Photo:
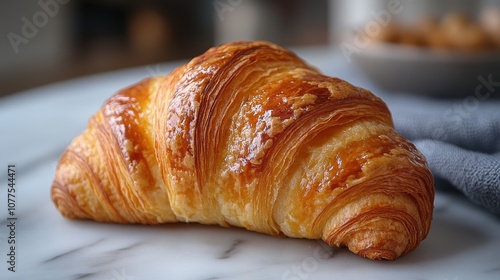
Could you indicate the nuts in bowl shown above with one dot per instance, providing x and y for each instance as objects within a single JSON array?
[
  {"x": 454, "y": 31},
  {"x": 445, "y": 57}
]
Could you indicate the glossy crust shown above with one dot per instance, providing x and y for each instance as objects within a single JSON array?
[{"x": 249, "y": 135}]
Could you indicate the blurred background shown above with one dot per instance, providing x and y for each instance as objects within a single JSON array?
[{"x": 45, "y": 41}]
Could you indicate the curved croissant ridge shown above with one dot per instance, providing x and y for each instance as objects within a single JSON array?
[{"x": 249, "y": 135}]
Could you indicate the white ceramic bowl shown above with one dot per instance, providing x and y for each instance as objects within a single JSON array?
[{"x": 423, "y": 71}]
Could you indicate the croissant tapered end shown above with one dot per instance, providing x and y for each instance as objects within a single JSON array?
[
  {"x": 249, "y": 135},
  {"x": 75, "y": 189},
  {"x": 62, "y": 198},
  {"x": 376, "y": 245},
  {"x": 383, "y": 239},
  {"x": 109, "y": 173},
  {"x": 65, "y": 186}
]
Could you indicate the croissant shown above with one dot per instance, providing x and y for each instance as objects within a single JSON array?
[{"x": 249, "y": 135}]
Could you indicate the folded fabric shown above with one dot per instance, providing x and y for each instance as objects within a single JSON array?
[
  {"x": 476, "y": 174},
  {"x": 460, "y": 139}
]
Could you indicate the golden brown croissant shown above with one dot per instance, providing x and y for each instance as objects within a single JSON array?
[{"x": 249, "y": 135}]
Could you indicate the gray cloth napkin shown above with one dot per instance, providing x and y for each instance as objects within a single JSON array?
[{"x": 460, "y": 139}]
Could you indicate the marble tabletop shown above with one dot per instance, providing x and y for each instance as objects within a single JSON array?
[{"x": 36, "y": 126}]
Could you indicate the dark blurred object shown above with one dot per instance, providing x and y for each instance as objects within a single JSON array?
[
  {"x": 82, "y": 37},
  {"x": 149, "y": 33},
  {"x": 143, "y": 32}
]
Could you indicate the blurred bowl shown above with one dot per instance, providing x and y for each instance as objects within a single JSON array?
[{"x": 442, "y": 73}]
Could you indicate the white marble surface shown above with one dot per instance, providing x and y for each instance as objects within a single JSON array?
[{"x": 36, "y": 125}]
